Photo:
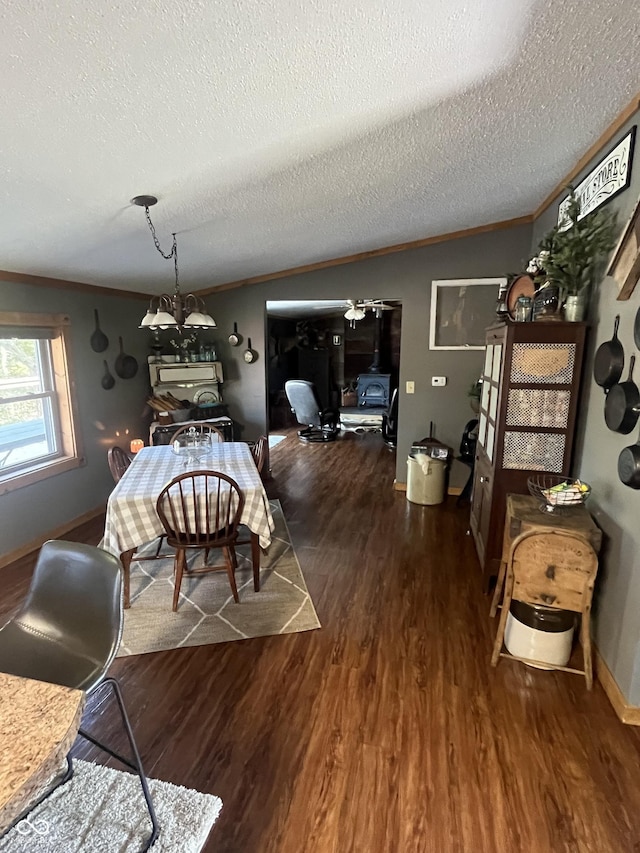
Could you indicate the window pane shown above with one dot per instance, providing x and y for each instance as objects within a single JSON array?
[
  {"x": 20, "y": 371},
  {"x": 38, "y": 437},
  {"x": 27, "y": 427},
  {"x": 25, "y": 432}
]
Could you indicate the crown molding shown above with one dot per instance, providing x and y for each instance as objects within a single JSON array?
[
  {"x": 616, "y": 125},
  {"x": 365, "y": 256}
]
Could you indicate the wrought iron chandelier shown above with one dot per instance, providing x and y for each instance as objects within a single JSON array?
[{"x": 172, "y": 311}]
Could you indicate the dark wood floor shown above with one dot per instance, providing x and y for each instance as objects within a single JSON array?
[{"x": 386, "y": 731}]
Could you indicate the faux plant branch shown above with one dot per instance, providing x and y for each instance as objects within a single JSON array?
[{"x": 571, "y": 255}]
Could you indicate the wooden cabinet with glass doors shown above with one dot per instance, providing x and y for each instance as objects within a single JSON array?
[{"x": 530, "y": 388}]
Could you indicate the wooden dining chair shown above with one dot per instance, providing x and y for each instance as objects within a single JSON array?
[
  {"x": 215, "y": 434},
  {"x": 119, "y": 460},
  {"x": 201, "y": 510},
  {"x": 554, "y": 569},
  {"x": 259, "y": 452}
]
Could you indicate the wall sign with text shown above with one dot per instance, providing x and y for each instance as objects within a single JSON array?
[{"x": 610, "y": 177}]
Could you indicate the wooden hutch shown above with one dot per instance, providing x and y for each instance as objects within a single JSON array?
[{"x": 530, "y": 388}]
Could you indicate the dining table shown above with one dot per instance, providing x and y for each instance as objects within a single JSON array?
[{"x": 131, "y": 517}]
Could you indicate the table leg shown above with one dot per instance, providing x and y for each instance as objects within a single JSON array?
[
  {"x": 255, "y": 560},
  {"x": 125, "y": 559}
]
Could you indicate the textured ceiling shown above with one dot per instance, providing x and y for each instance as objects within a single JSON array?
[{"x": 278, "y": 133}]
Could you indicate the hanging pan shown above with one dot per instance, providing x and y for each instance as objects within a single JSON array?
[
  {"x": 636, "y": 329},
  {"x": 107, "y": 380},
  {"x": 609, "y": 360},
  {"x": 629, "y": 465},
  {"x": 622, "y": 404},
  {"x": 98, "y": 340},
  {"x": 125, "y": 365}
]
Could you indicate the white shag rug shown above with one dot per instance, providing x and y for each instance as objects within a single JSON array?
[{"x": 101, "y": 810}]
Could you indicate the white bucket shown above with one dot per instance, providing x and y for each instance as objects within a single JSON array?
[
  {"x": 425, "y": 480},
  {"x": 552, "y": 647}
]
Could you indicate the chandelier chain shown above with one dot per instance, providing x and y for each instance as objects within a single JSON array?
[
  {"x": 173, "y": 251},
  {"x": 175, "y": 312},
  {"x": 166, "y": 255}
]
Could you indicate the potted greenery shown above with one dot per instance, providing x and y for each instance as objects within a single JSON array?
[
  {"x": 474, "y": 393},
  {"x": 571, "y": 253}
]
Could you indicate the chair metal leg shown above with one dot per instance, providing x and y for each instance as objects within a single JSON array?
[{"x": 135, "y": 765}]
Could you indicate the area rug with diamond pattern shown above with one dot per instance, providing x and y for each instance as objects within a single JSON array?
[{"x": 206, "y": 611}]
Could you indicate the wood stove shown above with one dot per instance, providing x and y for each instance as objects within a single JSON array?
[{"x": 373, "y": 390}]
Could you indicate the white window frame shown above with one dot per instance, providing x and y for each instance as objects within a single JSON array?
[{"x": 68, "y": 453}]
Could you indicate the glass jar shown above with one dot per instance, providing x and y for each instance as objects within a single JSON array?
[
  {"x": 546, "y": 302},
  {"x": 522, "y": 312}
]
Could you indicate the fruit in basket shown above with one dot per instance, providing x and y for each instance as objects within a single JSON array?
[{"x": 566, "y": 493}]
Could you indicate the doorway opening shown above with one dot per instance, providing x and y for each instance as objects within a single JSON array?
[{"x": 341, "y": 355}]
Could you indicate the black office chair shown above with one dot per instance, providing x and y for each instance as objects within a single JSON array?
[
  {"x": 468, "y": 457},
  {"x": 319, "y": 424},
  {"x": 68, "y": 631},
  {"x": 390, "y": 421}
]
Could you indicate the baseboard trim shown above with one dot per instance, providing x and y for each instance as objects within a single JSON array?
[
  {"x": 629, "y": 714},
  {"x": 56, "y": 533}
]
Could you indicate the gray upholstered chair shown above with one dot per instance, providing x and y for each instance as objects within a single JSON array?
[
  {"x": 319, "y": 424},
  {"x": 67, "y": 632}
]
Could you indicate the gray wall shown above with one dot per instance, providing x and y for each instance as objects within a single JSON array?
[
  {"x": 405, "y": 276},
  {"x": 35, "y": 510},
  {"x": 615, "y": 506}
]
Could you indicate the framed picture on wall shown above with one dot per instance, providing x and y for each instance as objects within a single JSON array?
[{"x": 461, "y": 310}]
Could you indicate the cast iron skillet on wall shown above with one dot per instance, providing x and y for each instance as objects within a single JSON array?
[
  {"x": 609, "y": 360},
  {"x": 107, "y": 380},
  {"x": 636, "y": 329},
  {"x": 126, "y": 366},
  {"x": 622, "y": 404},
  {"x": 98, "y": 340},
  {"x": 629, "y": 465}
]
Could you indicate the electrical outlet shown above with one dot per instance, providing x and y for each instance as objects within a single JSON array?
[
  {"x": 411, "y": 387},
  {"x": 439, "y": 381}
]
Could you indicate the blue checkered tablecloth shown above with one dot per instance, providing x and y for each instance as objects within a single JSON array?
[{"x": 131, "y": 510}]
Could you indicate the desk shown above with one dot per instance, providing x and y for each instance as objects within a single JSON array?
[
  {"x": 523, "y": 515},
  {"x": 132, "y": 519},
  {"x": 38, "y": 725}
]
